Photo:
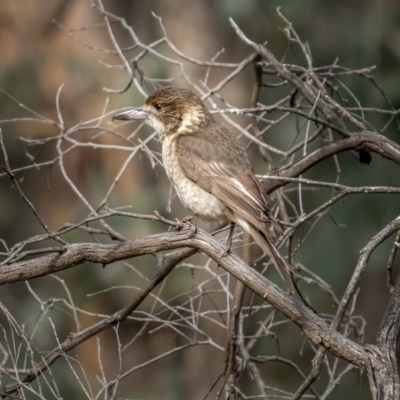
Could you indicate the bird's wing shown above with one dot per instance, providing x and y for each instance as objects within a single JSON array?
[{"x": 224, "y": 170}]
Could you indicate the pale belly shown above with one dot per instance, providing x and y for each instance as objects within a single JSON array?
[{"x": 192, "y": 196}]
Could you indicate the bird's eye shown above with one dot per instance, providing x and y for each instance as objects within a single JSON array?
[{"x": 158, "y": 106}]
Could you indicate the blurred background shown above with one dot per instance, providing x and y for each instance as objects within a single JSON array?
[{"x": 37, "y": 57}]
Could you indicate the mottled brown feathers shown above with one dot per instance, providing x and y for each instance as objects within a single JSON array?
[
  {"x": 177, "y": 108},
  {"x": 219, "y": 164}
]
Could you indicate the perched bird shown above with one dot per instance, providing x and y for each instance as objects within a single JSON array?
[{"x": 209, "y": 168}]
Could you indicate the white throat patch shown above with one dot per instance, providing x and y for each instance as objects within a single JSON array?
[
  {"x": 156, "y": 124},
  {"x": 191, "y": 119}
]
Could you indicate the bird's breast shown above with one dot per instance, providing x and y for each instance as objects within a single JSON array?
[{"x": 191, "y": 195}]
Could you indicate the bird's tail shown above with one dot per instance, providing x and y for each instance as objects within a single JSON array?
[{"x": 280, "y": 263}]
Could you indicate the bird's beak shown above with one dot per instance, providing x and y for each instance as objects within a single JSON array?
[{"x": 132, "y": 113}]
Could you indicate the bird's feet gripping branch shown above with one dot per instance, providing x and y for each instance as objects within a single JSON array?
[
  {"x": 208, "y": 167},
  {"x": 187, "y": 221}
]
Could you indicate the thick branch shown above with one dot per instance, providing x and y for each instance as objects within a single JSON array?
[
  {"x": 383, "y": 372},
  {"x": 317, "y": 330}
]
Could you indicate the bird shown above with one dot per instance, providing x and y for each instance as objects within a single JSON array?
[{"x": 209, "y": 168}]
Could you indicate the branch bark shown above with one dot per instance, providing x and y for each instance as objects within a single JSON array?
[
  {"x": 316, "y": 329},
  {"x": 383, "y": 372}
]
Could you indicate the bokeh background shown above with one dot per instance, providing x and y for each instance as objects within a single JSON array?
[{"x": 37, "y": 57}]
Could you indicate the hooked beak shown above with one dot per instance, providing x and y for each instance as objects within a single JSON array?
[{"x": 132, "y": 113}]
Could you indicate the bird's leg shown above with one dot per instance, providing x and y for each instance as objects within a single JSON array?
[{"x": 228, "y": 242}]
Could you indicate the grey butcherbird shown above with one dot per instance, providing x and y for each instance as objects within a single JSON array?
[{"x": 209, "y": 168}]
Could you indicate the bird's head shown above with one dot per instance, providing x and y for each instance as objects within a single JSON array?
[{"x": 169, "y": 110}]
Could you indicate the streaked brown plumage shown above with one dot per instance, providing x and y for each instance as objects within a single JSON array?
[{"x": 208, "y": 167}]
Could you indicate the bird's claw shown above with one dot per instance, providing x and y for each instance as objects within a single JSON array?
[
  {"x": 187, "y": 221},
  {"x": 193, "y": 228},
  {"x": 193, "y": 231},
  {"x": 228, "y": 245},
  {"x": 226, "y": 253}
]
